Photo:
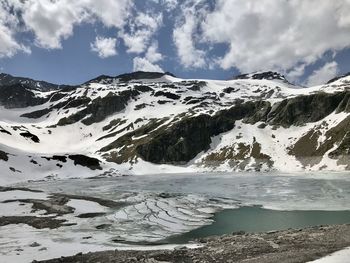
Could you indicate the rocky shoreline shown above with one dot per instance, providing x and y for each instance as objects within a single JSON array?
[{"x": 290, "y": 246}]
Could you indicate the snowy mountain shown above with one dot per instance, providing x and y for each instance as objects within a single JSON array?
[{"x": 146, "y": 122}]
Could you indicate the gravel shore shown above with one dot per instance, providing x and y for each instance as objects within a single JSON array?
[{"x": 290, "y": 246}]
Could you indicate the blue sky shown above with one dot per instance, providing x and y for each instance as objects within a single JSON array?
[{"x": 71, "y": 42}]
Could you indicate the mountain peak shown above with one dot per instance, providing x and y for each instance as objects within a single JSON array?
[
  {"x": 7, "y": 80},
  {"x": 268, "y": 75},
  {"x": 137, "y": 75},
  {"x": 142, "y": 75},
  {"x": 338, "y": 78}
]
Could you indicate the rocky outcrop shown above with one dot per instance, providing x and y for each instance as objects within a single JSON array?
[
  {"x": 182, "y": 140},
  {"x": 305, "y": 109},
  {"x": 100, "y": 108},
  {"x": 268, "y": 75},
  {"x": 4, "y": 156},
  {"x": 174, "y": 121},
  {"x": 86, "y": 161},
  {"x": 19, "y": 96},
  {"x": 129, "y": 76},
  {"x": 293, "y": 246},
  {"x": 9, "y": 80}
]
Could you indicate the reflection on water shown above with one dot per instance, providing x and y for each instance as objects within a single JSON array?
[
  {"x": 179, "y": 207},
  {"x": 257, "y": 219}
]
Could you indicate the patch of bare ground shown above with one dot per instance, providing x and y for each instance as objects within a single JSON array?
[{"x": 288, "y": 246}]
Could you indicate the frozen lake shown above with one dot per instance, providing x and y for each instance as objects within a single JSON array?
[
  {"x": 166, "y": 210},
  {"x": 163, "y": 206}
]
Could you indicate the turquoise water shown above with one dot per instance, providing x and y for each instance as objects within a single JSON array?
[
  {"x": 246, "y": 202},
  {"x": 257, "y": 219}
]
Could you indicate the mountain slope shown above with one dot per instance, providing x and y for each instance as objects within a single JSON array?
[{"x": 153, "y": 122}]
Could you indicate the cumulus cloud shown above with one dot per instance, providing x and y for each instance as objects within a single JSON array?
[
  {"x": 170, "y": 4},
  {"x": 153, "y": 54},
  {"x": 248, "y": 35},
  {"x": 277, "y": 35},
  {"x": 323, "y": 74},
  {"x": 148, "y": 63},
  {"x": 184, "y": 37},
  {"x": 141, "y": 30},
  {"x": 8, "y": 27},
  {"x": 53, "y": 21},
  {"x": 142, "y": 64},
  {"x": 9, "y": 46},
  {"x": 104, "y": 47}
]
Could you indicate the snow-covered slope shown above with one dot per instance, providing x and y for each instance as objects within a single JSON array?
[{"x": 153, "y": 123}]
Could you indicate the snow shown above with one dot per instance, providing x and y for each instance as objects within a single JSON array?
[
  {"x": 83, "y": 207},
  {"x": 341, "y": 256},
  {"x": 78, "y": 138},
  {"x": 168, "y": 204}
]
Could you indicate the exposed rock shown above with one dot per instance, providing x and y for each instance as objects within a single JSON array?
[
  {"x": 305, "y": 109},
  {"x": 168, "y": 95},
  {"x": 142, "y": 75},
  {"x": 100, "y": 108},
  {"x": 8, "y": 80},
  {"x": 31, "y": 136},
  {"x": 292, "y": 246},
  {"x": 4, "y": 156},
  {"x": 86, "y": 161},
  {"x": 18, "y": 96},
  {"x": 36, "y": 222},
  {"x": 337, "y": 78},
  {"x": 269, "y": 75},
  {"x": 185, "y": 139}
]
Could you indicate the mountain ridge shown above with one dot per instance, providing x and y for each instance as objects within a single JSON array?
[{"x": 154, "y": 122}]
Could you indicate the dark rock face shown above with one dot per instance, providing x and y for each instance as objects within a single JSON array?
[
  {"x": 308, "y": 152},
  {"x": 180, "y": 144},
  {"x": 59, "y": 158},
  {"x": 142, "y": 75},
  {"x": 311, "y": 108},
  {"x": 67, "y": 104},
  {"x": 8, "y": 80},
  {"x": 18, "y": 96},
  {"x": 185, "y": 139},
  {"x": 101, "y": 79},
  {"x": 86, "y": 161},
  {"x": 101, "y": 108},
  {"x": 168, "y": 95},
  {"x": 128, "y": 77},
  {"x": 31, "y": 136},
  {"x": 143, "y": 88},
  {"x": 4, "y": 156},
  {"x": 36, "y": 114},
  {"x": 337, "y": 78},
  {"x": 269, "y": 75}
]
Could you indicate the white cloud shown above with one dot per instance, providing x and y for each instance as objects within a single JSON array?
[
  {"x": 295, "y": 73},
  {"x": 260, "y": 35},
  {"x": 170, "y": 4},
  {"x": 53, "y": 21},
  {"x": 9, "y": 46},
  {"x": 8, "y": 27},
  {"x": 323, "y": 74},
  {"x": 142, "y": 64},
  {"x": 142, "y": 29},
  {"x": 152, "y": 53},
  {"x": 277, "y": 35},
  {"x": 104, "y": 47},
  {"x": 184, "y": 38},
  {"x": 148, "y": 63}
]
